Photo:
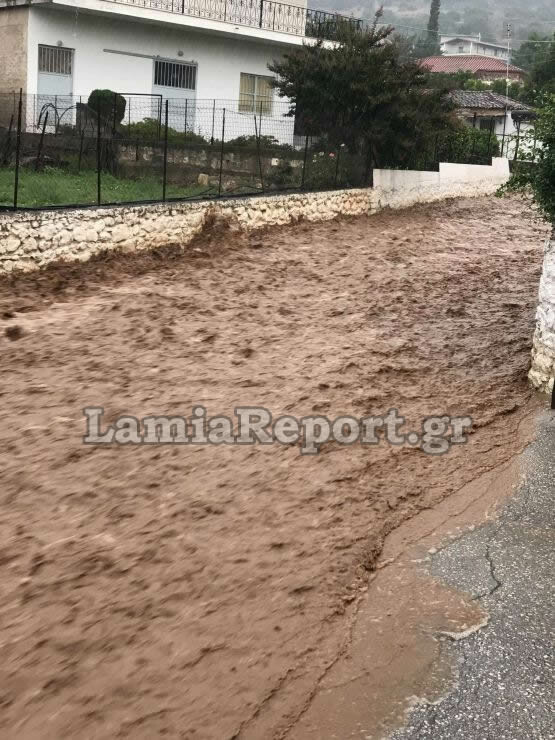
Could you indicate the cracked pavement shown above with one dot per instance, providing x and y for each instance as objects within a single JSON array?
[{"x": 505, "y": 669}]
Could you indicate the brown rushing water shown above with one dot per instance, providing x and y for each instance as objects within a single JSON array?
[{"x": 185, "y": 590}]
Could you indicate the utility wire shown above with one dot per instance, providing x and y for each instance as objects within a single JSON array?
[{"x": 466, "y": 35}]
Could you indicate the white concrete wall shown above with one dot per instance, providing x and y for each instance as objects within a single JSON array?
[
  {"x": 542, "y": 372},
  {"x": 29, "y": 240},
  {"x": 401, "y": 188}
]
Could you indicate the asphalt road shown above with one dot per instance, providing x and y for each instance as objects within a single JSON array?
[{"x": 505, "y": 689}]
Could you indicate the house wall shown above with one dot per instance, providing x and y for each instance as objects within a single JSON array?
[
  {"x": 29, "y": 240},
  {"x": 220, "y": 60},
  {"x": 492, "y": 76},
  {"x": 13, "y": 48},
  {"x": 542, "y": 372},
  {"x": 473, "y": 47}
]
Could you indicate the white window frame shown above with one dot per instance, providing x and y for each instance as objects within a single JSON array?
[{"x": 250, "y": 102}]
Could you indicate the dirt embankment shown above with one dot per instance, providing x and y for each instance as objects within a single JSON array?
[{"x": 196, "y": 591}]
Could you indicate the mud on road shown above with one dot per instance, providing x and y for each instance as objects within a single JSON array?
[{"x": 199, "y": 592}]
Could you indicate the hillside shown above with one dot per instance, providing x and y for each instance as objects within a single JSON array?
[{"x": 488, "y": 17}]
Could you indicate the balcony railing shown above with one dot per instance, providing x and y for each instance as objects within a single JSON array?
[{"x": 266, "y": 14}]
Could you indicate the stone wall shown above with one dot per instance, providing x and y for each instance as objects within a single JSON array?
[
  {"x": 31, "y": 239},
  {"x": 542, "y": 372}
]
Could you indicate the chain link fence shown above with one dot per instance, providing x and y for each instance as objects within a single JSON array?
[{"x": 127, "y": 148}]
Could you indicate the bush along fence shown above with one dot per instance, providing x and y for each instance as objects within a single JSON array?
[{"x": 120, "y": 148}]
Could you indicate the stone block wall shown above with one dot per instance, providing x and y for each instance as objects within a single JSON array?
[
  {"x": 31, "y": 239},
  {"x": 542, "y": 372}
]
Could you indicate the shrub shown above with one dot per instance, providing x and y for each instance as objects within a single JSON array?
[
  {"x": 151, "y": 131},
  {"x": 538, "y": 173},
  {"x": 467, "y": 145},
  {"x": 110, "y": 105},
  {"x": 266, "y": 143}
]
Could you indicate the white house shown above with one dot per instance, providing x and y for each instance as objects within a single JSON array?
[
  {"x": 472, "y": 45},
  {"x": 204, "y": 55},
  {"x": 506, "y": 119}
]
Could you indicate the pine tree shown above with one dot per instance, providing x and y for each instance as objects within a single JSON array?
[
  {"x": 363, "y": 94},
  {"x": 428, "y": 46},
  {"x": 433, "y": 24}
]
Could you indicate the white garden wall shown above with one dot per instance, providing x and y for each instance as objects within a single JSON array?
[
  {"x": 29, "y": 240},
  {"x": 542, "y": 372}
]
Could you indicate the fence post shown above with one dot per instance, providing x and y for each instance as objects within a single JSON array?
[
  {"x": 221, "y": 154},
  {"x": 41, "y": 141},
  {"x": 369, "y": 174},
  {"x": 256, "y": 131},
  {"x": 186, "y": 113},
  {"x": 304, "y": 161},
  {"x": 338, "y": 154},
  {"x": 81, "y": 150},
  {"x": 261, "y": 12},
  {"x": 5, "y": 155},
  {"x": 473, "y": 149},
  {"x": 213, "y": 118},
  {"x": 504, "y": 129},
  {"x": 165, "y": 171},
  {"x": 491, "y": 125},
  {"x": 517, "y": 140},
  {"x": 17, "y": 150},
  {"x": 98, "y": 158},
  {"x": 114, "y": 112},
  {"x": 159, "y": 116}
]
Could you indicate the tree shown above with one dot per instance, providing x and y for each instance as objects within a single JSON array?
[
  {"x": 429, "y": 45},
  {"x": 542, "y": 76},
  {"x": 517, "y": 91},
  {"x": 406, "y": 46},
  {"x": 530, "y": 51},
  {"x": 460, "y": 80},
  {"x": 539, "y": 175},
  {"x": 362, "y": 94},
  {"x": 433, "y": 25}
]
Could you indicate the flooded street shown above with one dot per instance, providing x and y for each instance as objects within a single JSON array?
[{"x": 201, "y": 591}]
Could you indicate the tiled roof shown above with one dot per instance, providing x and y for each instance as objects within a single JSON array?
[
  {"x": 484, "y": 99},
  {"x": 467, "y": 63}
]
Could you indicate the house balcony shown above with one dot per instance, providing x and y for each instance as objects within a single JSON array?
[{"x": 266, "y": 15}]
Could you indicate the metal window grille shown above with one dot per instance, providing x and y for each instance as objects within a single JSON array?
[
  {"x": 55, "y": 60},
  {"x": 175, "y": 74},
  {"x": 255, "y": 94}
]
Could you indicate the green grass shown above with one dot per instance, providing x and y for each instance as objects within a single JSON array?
[{"x": 55, "y": 187}]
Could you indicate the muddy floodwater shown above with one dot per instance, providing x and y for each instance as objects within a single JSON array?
[{"x": 200, "y": 591}]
